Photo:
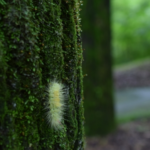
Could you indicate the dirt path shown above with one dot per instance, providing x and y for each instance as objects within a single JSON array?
[
  {"x": 136, "y": 76},
  {"x": 130, "y": 136},
  {"x": 132, "y": 90},
  {"x": 132, "y": 102}
]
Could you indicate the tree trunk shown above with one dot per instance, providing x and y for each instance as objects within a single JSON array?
[
  {"x": 40, "y": 43},
  {"x": 99, "y": 104}
]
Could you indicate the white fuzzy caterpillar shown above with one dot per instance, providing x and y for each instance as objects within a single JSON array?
[{"x": 55, "y": 104}]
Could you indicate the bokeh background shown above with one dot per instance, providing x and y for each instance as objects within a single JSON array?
[{"x": 116, "y": 43}]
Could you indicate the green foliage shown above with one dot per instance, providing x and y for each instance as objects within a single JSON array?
[
  {"x": 130, "y": 26},
  {"x": 39, "y": 42},
  {"x": 2, "y": 2}
]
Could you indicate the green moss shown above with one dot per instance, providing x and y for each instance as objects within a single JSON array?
[{"x": 42, "y": 44}]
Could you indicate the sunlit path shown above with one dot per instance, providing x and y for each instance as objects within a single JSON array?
[{"x": 132, "y": 102}]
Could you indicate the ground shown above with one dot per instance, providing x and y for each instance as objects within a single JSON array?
[
  {"x": 132, "y": 75},
  {"x": 133, "y": 135}
]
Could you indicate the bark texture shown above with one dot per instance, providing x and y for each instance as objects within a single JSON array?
[{"x": 39, "y": 42}]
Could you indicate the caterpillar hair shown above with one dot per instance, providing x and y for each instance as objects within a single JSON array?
[{"x": 55, "y": 104}]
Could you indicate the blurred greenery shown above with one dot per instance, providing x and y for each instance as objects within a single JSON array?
[{"x": 130, "y": 30}]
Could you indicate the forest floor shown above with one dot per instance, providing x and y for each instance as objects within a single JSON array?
[
  {"x": 135, "y": 134},
  {"x": 132, "y": 75}
]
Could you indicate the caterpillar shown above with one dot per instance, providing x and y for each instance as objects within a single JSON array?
[{"x": 55, "y": 104}]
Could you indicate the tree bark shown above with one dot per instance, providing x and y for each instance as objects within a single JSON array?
[
  {"x": 40, "y": 44},
  {"x": 99, "y": 104}
]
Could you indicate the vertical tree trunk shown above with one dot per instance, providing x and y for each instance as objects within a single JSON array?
[
  {"x": 99, "y": 106},
  {"x": 40, "y": 43}
]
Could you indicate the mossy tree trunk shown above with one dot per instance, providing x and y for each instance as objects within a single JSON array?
[
  {"x": 99, "y": 104},
  {"x": 39, "y": 42}
]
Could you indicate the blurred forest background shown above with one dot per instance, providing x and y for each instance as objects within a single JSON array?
[
  {"x": 116, "y": 65},
  {"x": 130, "y": 27}
]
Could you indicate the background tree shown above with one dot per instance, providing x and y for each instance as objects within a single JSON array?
[
  {"x": 40, "y": 42},
  {"x": 99, "y": 105}
]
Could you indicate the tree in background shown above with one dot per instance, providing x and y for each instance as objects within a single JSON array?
[
  {"x": 99, "y": 104},
  {"x": 39, "y": 42}
]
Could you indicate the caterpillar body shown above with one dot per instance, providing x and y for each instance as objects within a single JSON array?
[{"x": 55, "y": 104}]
